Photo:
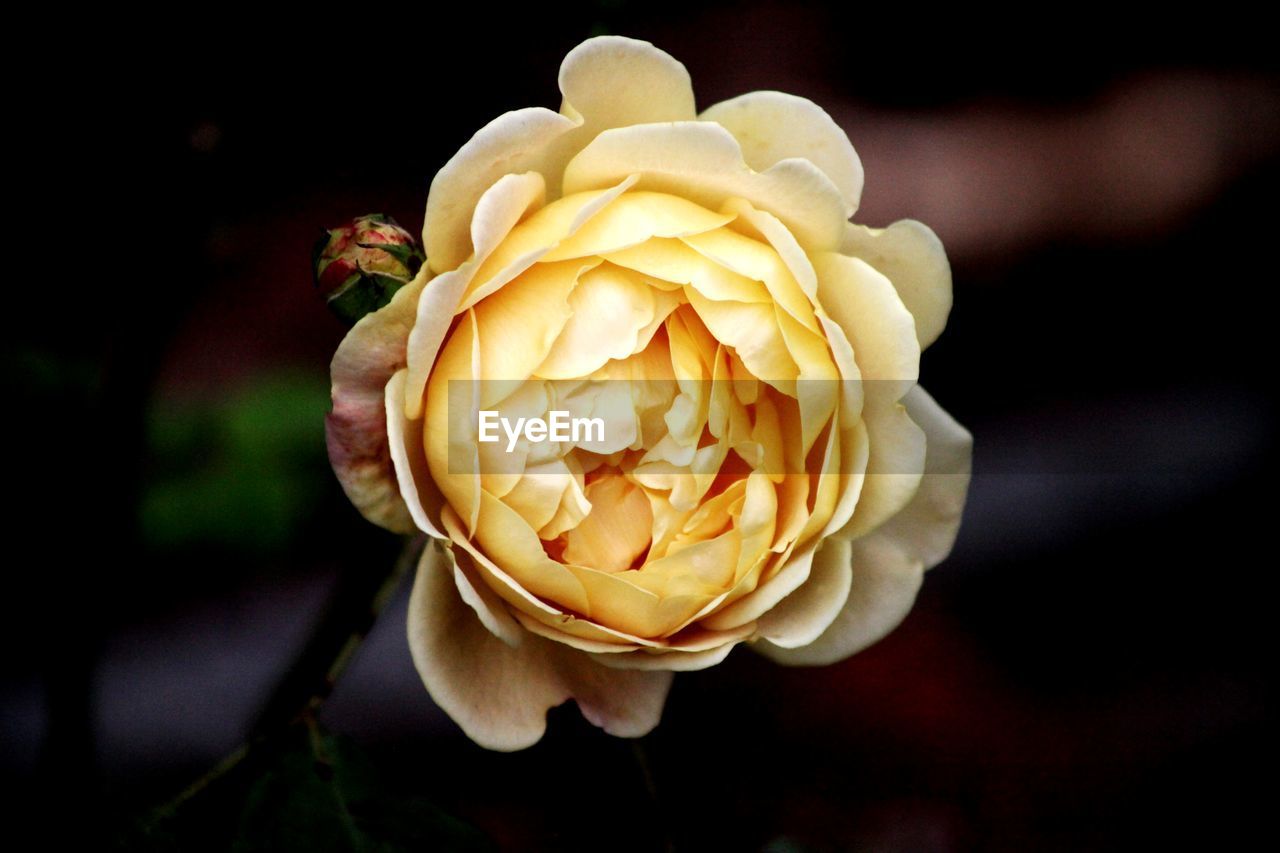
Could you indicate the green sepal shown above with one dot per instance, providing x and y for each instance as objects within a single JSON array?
[
  {"x": 317, "y": 253},
  {"x": 363, "y": 294}
]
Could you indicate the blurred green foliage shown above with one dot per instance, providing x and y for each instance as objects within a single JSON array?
[{"x": 245, "y": 471}]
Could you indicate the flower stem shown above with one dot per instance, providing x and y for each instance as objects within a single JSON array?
[
  {"x": 311, "y": 679},
  {"x": 646, "y": 773}
]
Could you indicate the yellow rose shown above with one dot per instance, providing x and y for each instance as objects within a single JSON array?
[{"x": 772, "y": 473}]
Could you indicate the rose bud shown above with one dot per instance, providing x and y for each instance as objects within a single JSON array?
[{"x": 360, "y": 265}]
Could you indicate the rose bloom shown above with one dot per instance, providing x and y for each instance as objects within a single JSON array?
[{"x": 773, "y": 474}]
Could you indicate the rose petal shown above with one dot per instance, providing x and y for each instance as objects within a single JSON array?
[
  {"x": 874, "y": 318},
  {"x": 356, "y": 429},
  {"x": 884, "y": 585},
  {"x": 612, "y": 81},
  {"x": 634, "y": 218},
  {"x": 610, "y": 308},
  {"x": 517, "y": 141},
  {"x": 803, "y": 615},
  {"x": 617, "y": 529},
  {"x": 772, "y": 126},
  {"x": 499, "y": 695},
  {"x": 489, "y": 608},
  {"x": 421, "y": 496},
  {"x": 703, "y": 163},
  {"x": 451, "y": 435},
  {"x": 531, "y": 240},
  {"x": 887, "y": 565},
  {"x": 926, "y": 527},
  {"x": 750, "y": 607},
  {"x": 912, "y": 257},
  {"x": 503, "y": 205},
  {"x": 519, "y": 325},
  {"x": 607, "y": 82},
  {"x": 772, "y": 231},
  {"x": 678, "y": 660},
  {"x": 881, "y": 330}
]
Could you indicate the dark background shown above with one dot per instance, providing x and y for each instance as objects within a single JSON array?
[{"x": 1085, "y": 672}]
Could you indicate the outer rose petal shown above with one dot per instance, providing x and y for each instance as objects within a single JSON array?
[
  {"x": 772, "y": 126},
  {"x": 702, "y": 162},
  {"x": 607, "y": 82},
  {"x": 500, "y": 695},
  {"x": 611, "y": 81},
  {"x": 885, "y": 582},
  {"x": 490, "y": 220},
  {"x": 803, "y": 615},
  {"x": 864, "y": 303},
  {"x": 356, "y": 429},
  {"x": 926, "y": 528},
  {"x": 419, "y": 492},
  {"x": 912, "y": 257},
  {"x": 888, "y": 565},
  {"x": 513, "y": 142}
]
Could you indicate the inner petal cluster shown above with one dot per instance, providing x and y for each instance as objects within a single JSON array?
[{"x": 686, "y": 333}]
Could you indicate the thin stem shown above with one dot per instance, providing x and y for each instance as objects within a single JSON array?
[
  {"x": 646, "y": 773},
  {"x": 408, "y": 558},
  {"x": 301, "y": 692}
]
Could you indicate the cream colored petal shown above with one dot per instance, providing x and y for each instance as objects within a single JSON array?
[
  {"x": 803, "y": 615},
  {"x": 500, "y": 695},
  {"x": 683, "y": 651},
  {"x": 356, "y": 429},
  {"x": 617, "y": 529},
  {"x": 752, "y": 330},
  {"x": 532, "y": 239},
  {"x": 421, "y": 495},
  {"x": 926, "y": 527},
  {"x": 613, "y": 81},
  {"x": 480, "y": 597},
  {"x": 854, "y": 455},
  {"x": 537, "y": 494},
  {"x": 519, "y": 325},
  {"x": 607, "y": 82},
  {"x": 702, "y": 162},
  {"x": 756, "y": 260},
  {"x": 878, "y": 325},
  {"x": 501, "y": 206},
  {"x": 450, "y": 435},
  {"x": 912, "y": 257},
  {"x": 864, "y": 304},
  {"x": 818, "y": 385},
  {"x": 884, "y": 586},
  {"x": 896, "y": 448},
  {"x": 750, "y": 607},
  {"x": 507, "y": 539},
  {"x": 772, "y": 126},
  {"x": 609, "y": 310},
  {"x": 518, "y": 141},
  {"x": 677, "y": 660},
  {"x": 632, "y": 219},
  {"x": 772, "y": 231},
  {"x": 498, "y": 580}
]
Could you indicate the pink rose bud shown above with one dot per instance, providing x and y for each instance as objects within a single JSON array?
[{"x": 360, "y": 265}]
